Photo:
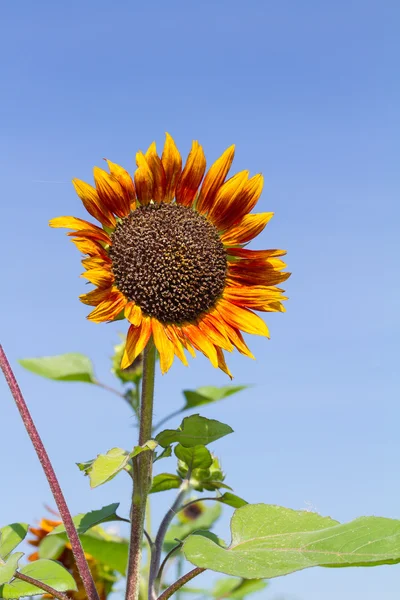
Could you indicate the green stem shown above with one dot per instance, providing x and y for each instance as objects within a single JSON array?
[
  {"x": 143, "y": 464},
  {"x": 154, "y": 579}
]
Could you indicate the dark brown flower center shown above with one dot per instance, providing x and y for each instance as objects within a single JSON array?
[{"x": 170, "y": 261}]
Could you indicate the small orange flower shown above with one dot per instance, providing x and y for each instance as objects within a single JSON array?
[{"x": 170, "y": 256}]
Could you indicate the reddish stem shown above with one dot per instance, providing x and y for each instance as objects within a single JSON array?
[
  {"x": 77, "y": 550},
  {"x": 180, "y": 583}
]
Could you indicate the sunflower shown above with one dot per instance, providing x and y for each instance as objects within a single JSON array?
[
  {"x": 170, "y": 257},
  {"x": 102, "y": 575}
]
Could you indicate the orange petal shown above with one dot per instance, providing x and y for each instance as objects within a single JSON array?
[
  {"x": 136, "y": 342},
  {"x": 90, "y": 247},
  {"x": 232, "y": 333},
  {"x": 73, "y": 223},
  {"x": 222, "y": 364},
  {"x": 213, "y": 333},
  {"x": 111, "y": 193},
  {"x": 247, "y": 229},
  {"x": 225, "y": 198},
  {"x": 254, "y": 254},
  {"x": 250, "y": 275},
  {"x": 192, "y": 175},
  {"x": 144, "y": 181},
  {"x": 34, "y": 556},
  {"x": 244, "y": 202},
  {"x": 255, "y": 297},
  {"x": 157, "y": 170},
  {"x": 96, "y": 262},
  {"x": 172, "y": 163},
  {"x": 241, "y": 318},
  {"x": 96, "y": 296},
  {"x": 183, "y": 339},
  {"x": 93, "y": 204},
  {"x": 100, "y": 235},
  {"x": 201, "y": 342},
  {"x": 99, "y": 277},
  {"x": 124, "y": 179},
  {"x": 178, "y": 347},
  {"x": 133, "y": 313},
  {"x": 214, "y": 179},
  {"x": 163, "y": 344},
  {"x": 108, "y": 309}
]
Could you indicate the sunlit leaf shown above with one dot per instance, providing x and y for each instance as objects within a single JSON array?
[
  {"x": 196, "y": 457},
  {"x": 232, "y": 500},
  {"x": 193, "y": 431},
  {"x": 11, "y": 536},
  {"x": 50, "y": 572},
  {"x": 8, "y": 568},
  {"x": 64, "y": 367},
  {"x": 270, "y": 541},
  {"x": 106, "y": 466},
  {"x": 209, "y": 393},
  {"x": 164, "y": 482}
]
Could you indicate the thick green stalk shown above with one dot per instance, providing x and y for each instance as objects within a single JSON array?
[{"x": 142, "y": 474}]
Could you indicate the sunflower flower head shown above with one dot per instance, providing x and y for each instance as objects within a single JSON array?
[{"x": 169, "y": 254}]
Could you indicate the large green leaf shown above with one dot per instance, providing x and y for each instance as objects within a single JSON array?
[
  {"x": 48, "y": 571},
  {"x": 64, "y": 367},
  {"x": 86, "y": 521},
  {"x": 11, "y": 536},
  {"x": 270, "y": 541},
  {"x": 164, "y": 482},
  {"x": 106, "y": 466},
  {"x": 194, "y": 431},
  {"x": 8, "y": 568},
  {"x": 209, "y": 393}
]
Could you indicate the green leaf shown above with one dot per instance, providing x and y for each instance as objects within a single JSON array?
[
  {"x": 134, "y": 372},
  {"x": 106, "y": 466},
  {"x": 109, "y": 550},
  {"x": 236, "y": 589},
  {"x": 196, "y": 457},
  {"x": 85, "y": 521},
  {"x": 48, "y": 571},
  {"x": 209, "y": 393},
  {"x": 165, "y": 481},
  {"x": 64, "y": 367},
  {"x": 166, "y": 453},
  {"x": 232, "y": 500},
  {"x": 194, "y": 431},
  {"x": 205, "y": 521},
  {"x": 11, "y": 536},
  {"x": 8, "y": 568},
  {"x": 270, "y": 541},
  {"x": 52, "y": 547}
]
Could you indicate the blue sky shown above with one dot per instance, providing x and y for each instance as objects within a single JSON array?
[{"x": 309, "y": 92}]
